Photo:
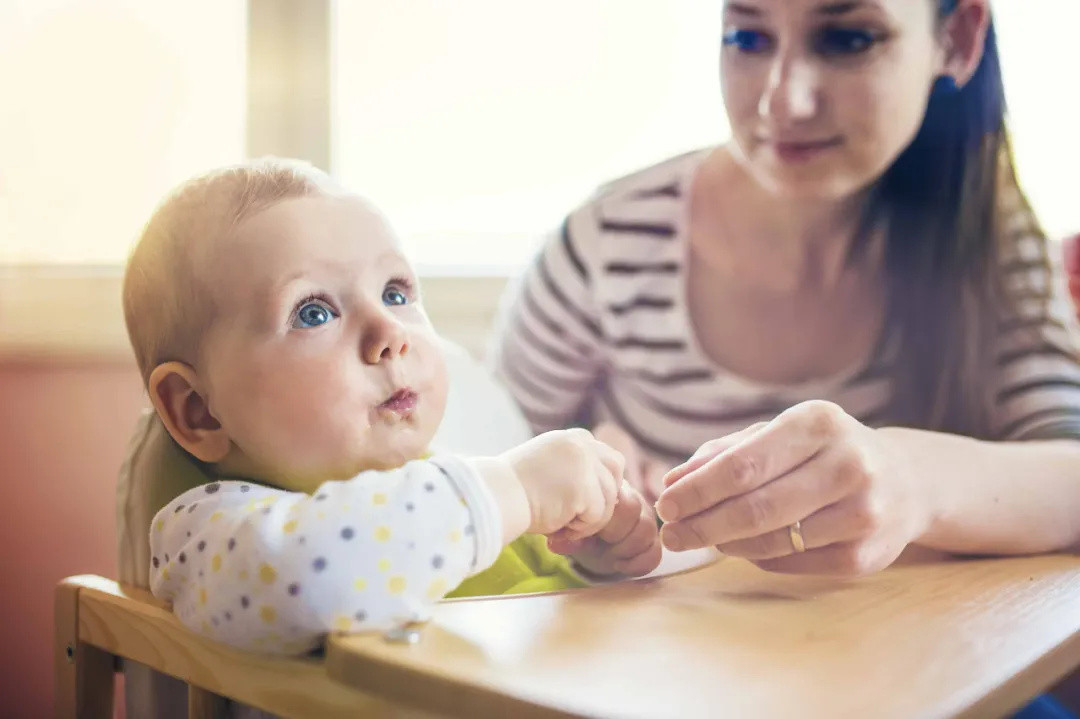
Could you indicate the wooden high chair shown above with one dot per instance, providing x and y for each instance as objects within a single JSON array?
[{"x": 98, "y": 622}]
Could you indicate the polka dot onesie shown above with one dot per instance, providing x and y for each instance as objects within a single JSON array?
[{"x": 274, "y": 571}]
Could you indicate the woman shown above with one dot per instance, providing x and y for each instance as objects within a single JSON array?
[{"x": 845, "y": 310}]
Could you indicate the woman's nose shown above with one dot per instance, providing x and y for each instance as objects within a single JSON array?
[
  {"x": 384, "y": 339},
  {"x": 791, "y": 92}
]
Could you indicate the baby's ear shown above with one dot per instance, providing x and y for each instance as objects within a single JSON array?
[{"x": 174, "y": 391}]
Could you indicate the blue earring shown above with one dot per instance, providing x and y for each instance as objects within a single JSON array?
[{"x": 946, "y": 85}]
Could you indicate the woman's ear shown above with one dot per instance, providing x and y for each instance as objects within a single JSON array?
[
  {"x": 175, "y": 393},
  {"x": 965, "y": 39}
]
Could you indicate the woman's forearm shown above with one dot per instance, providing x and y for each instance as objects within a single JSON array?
[{"x": 993, "y": 497}]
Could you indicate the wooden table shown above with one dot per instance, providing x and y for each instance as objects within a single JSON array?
[{"x": 970, "y": 638}]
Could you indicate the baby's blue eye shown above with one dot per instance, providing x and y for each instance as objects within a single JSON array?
[
  {"x": 394, "y": 296},
  {"x": 313, "y": 314},
  {"x": 843, "y": 41},
  {"x": 748, "y": 41}
]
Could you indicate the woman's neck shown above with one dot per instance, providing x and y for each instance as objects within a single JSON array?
[{"x": 767, "y": 242}]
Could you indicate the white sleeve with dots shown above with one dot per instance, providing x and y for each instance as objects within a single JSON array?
[{"x": 275, "y": 571}]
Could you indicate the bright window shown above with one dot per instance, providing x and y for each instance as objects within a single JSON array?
[
  {"x": 106, "y": 105},
  {"x": 477, "y": 124}
]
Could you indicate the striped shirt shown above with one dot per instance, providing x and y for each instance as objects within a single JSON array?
[{"x": 598, "y": 329}]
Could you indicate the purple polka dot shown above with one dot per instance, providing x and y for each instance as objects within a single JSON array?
[
  {"x": 320, "y": 497},
  {"x": 294, "y": 589},
  {"x": 360, "y": 616},
  {"x": 319, "y": 564},
  {"x": 245, "y": 488},
  {"x": 166, "y": 558},
  {"x": 228, "y": 616},
  {"x": 211, "y": 488},
  {"x": 182, "y": 557},
  {"x": 429, "y": 487},
  {"x": 347, "y": 533},
  {"x": 232, "y": 543},
  {"x": 469, "y": 529},
  {"x": 214, "y": 621},
  {"x": 301, "y": 540},
  {"x": 437, "y": 561},
  {"x": 266, "y": 510},
  {"x": 178, "y": 508},
  {"x": 202, "y": 545},
  {"x": 192, "y": 507},
  {"x": 409, "y": 506},
  {"x": 155, "y": 562},
  {"x": 244, "y": 601}
]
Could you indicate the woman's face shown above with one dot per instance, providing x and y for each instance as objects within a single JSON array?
[{"x": 823, "y": 95}]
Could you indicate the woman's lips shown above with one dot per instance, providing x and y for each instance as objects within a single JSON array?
[
  {"x": 803, "y": 150},
  {"x": 402, "y": 402}
]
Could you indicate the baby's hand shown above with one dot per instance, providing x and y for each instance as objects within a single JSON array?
[
  {"x": 628, "y": 545},
  {"x": 571, "y": 481}
]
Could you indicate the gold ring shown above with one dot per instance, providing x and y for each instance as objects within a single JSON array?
[{"x": 797, "y": 542}]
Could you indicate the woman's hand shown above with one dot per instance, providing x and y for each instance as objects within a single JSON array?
[
  {"x": 814, "y": 464},
  {"x": 644, "y": 473}
]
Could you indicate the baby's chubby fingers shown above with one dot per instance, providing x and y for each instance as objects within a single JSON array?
[{"x": 628, "y": 507}]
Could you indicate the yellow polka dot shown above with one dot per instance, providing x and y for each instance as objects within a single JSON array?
[
  {"x": 346, "y": 507},
  {"x": 215, "y": 563},
  {"x": 379, "y": 498},
  {"x": 160, "y": 525},
  {"x": 165, "y": 573},
  {"x": 382, "y": 533},
  {"x": 268, "y": 614},
  {"x": 202, "y": 596},
  {"x": 396, "y": 585},
  {"x": 343, "y": 623},
  {"x": 360, "y": 585},
  {"x": 384, "y": 565},
  {"x": 455, "y": 536},
  {"x": 250, "y": 506},
  {"x": 321, "y": 515},
  {"x": 436, "y": 589},
  {"x": 242, "y": 574},
  {"x": 290, "y": 526},
  {"x": 216, "y": 516},
  {"x": 267, "y": 573}
]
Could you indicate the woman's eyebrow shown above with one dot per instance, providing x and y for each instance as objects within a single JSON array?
[
  {"x": 739, "y": 9},
  {"x": 833, "y": 9}
]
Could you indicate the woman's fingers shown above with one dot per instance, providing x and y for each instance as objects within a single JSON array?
[
  {"x": 784, "y": 444},
  {"x": 851, "y": 519},
  {"x": 771, "y": 507},
  {"x": 706, "y": 452}
]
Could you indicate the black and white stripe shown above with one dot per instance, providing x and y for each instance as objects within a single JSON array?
[{"x": 600, "y": 321}]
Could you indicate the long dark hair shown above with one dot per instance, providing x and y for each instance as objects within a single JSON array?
[{"x": 941, "y": 206}]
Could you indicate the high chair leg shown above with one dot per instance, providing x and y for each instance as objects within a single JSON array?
[
  {"x": 203, "y": 704},
  {"x": 83, "y": 673}
]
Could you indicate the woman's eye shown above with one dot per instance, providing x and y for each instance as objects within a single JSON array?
[
  {"x": 313, "y": 314},
  {"x": 839, "y": 41},
  {"x": 394, "y": 295},
  {"x": 748, "y": 41}
]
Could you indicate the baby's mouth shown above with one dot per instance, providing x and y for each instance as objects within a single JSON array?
[{"x": 401, "y": 403}]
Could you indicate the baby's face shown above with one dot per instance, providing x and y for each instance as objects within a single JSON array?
[{"x": 321, "y": 361}]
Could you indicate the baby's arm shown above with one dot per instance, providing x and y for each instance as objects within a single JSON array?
[{"x": 274, "y": 571}]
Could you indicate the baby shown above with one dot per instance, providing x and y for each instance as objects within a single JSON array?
[{"x": 281, "y": 336}]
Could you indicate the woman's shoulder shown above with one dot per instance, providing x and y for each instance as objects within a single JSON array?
[
  {"x": 644, "y": 203},
  {"x": 668, "y": 178}
]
